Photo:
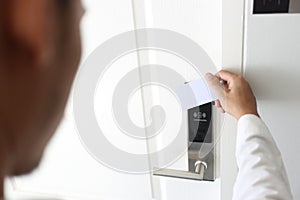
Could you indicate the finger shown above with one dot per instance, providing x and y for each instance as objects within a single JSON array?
[
  {"x": 222, "y": 110},
  {"x": 218, "y": 104},
  {"x": 226, "y": 75},
  {"x": 214, "y": 84}
]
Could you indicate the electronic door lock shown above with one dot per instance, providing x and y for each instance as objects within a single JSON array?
[{"x": 201, "y": 146}]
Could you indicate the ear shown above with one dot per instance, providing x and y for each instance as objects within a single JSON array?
[{"x": 30, "y": 26}]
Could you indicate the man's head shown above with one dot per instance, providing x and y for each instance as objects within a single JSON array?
[{"x": 39, "y": 54}]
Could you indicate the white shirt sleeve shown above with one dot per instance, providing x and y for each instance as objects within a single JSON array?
[{"x": 261, "y": 172}]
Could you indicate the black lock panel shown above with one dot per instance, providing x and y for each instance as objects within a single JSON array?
[
  {"x": 199, "y": 122},
  {"x": 271, "y": 6}
]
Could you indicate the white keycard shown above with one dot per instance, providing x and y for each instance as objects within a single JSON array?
[{"x": 195, "y": 93}]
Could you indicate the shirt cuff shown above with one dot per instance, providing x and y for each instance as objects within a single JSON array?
[{"x": 248, "y": 126}]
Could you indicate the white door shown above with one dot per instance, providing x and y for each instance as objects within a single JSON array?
[{"x": 216, "y": 26}]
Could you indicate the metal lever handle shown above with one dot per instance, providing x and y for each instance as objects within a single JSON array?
[{"x": 200, "y": 167}]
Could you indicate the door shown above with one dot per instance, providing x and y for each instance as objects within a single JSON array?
[{"x": 217, "y": 27}]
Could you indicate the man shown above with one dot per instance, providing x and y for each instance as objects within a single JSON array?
[
  {"x": 39, "y": 55},
  {"x": 261, "y": 171}
]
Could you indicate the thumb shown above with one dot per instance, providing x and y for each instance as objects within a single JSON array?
[{"x": 214, "y": 83}]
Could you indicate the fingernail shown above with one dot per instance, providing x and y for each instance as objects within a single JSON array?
[{"x": 208, "y": 75}]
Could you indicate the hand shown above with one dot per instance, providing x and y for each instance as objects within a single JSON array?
[{"x": 235, "y": 95}]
